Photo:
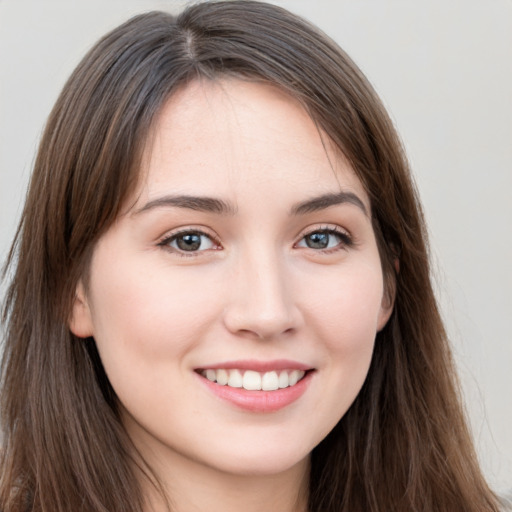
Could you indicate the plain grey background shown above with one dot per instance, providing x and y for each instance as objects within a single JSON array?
[{"x": 444, "y": 71}]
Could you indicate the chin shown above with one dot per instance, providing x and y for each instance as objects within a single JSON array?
[{"x": 256, "y": 459}]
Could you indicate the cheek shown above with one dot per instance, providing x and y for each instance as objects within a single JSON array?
[
  {"x": 146, "y": 325},
  {"x": 150, "y": 312},
  {"x": 347, "y": 325},
  {"x": 348, "y": 310}
]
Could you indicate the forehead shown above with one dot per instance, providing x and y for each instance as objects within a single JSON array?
[{"x": 232, "y": 136}]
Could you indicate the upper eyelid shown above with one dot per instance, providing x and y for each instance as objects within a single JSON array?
[
  {"x": 188, "y": 229},
  {"x": 324, "y": 227}
]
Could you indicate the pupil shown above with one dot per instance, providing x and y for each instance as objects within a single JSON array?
[
  {"x": 190, "y": 242},
  {"x": 317, "y": 240}
]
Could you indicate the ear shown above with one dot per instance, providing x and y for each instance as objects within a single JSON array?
[
  {"x": 80, "y": 322},
  {"x": 386, "y": 309},
  {"x": 388, "y": 298}
]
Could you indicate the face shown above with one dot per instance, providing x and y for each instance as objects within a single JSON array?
[{"x": 236, "y": 301}]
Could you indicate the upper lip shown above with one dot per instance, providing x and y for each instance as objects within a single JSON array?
[{"x": 258, "y": 366}]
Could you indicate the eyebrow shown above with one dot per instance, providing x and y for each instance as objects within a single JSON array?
[
  {"x": 221, "y": 207},
  {"x": 198, "y": 203},
  {"x": 327, "y": 200}
]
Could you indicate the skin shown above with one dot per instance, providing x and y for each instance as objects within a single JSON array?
[{"x": 253, "y": 290}]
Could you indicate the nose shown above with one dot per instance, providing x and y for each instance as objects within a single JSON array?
[{"x": 262, "y": 304}]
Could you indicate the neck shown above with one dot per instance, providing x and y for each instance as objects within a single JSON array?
[{"x": 192, "y": 487}]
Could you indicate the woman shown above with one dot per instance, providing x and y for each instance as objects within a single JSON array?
[{"x": 222, "y": 296}]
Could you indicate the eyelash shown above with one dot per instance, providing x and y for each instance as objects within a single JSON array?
[
  {"x": 345, "y": 241},
  {"x": 168, "y": 240}
]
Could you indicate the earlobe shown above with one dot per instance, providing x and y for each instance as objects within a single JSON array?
[
  {"x": 385, "y": 312},
  {"x": 80, "y": 322}
]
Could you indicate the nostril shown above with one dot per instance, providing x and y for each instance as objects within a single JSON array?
[
  {"x": 265, "y": 334},
  {"x": 251, "y": 323}
]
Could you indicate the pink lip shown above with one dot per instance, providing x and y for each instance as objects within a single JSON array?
[
  {"x": 258, "y": 366},
  {"x": 259, "y": 401}
]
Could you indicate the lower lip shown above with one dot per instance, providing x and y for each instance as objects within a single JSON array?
[{"x": 259, "y": 401}]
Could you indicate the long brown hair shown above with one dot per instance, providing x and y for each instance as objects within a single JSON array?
[{"x": 402, "y": 446}]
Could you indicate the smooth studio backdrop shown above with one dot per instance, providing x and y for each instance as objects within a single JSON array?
[{"x": 444, "y": 71}]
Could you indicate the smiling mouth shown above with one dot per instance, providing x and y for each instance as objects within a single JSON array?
[{"x": 252, "y": 380}]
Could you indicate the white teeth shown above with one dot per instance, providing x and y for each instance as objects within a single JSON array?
[
  {"x": 283, "y": 380},
  {"x": 294, "y": 377},
  {"x": 235, "y": 379},
  {"x": 222, "y": 377},
  {"x": 254, "y": 381},
  {"x": 269, "y": 381}
]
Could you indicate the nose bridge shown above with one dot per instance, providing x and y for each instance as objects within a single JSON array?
[{"x": 261, "y": 302}]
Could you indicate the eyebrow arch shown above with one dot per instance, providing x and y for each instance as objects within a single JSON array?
[
  {"x": 198, "y": 203},
  {"x": 326, "y": 200}
]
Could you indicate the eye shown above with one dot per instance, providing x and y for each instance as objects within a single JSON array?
[
  {"x": 189, "y": 241},
  {"x": 323, "y": 239}
]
